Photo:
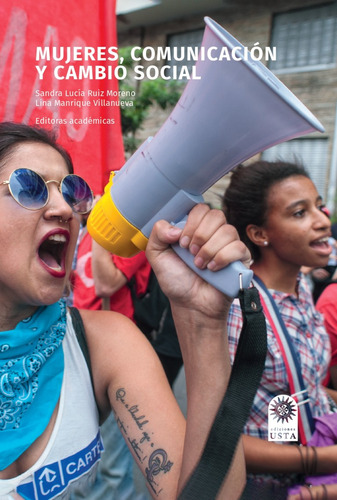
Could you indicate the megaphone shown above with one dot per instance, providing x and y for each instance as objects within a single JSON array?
[{"x": 235, "y": 110}]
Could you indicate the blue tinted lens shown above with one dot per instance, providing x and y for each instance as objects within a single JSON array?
[
  {"x": 77, "y": 193},
  {"x": 28, "y": 188}
]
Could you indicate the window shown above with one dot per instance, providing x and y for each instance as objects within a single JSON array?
[
  {"x": 305, "y": 39},
  {"x": 312, "y": 153},
  {"x": 128, "y": 6},
  {"x": 182, "y": 41}
]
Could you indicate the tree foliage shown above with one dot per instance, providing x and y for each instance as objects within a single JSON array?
[{"x": 164, "y": 93}]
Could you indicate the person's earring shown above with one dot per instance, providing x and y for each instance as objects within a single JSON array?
[{"x": 265, "y": 243}]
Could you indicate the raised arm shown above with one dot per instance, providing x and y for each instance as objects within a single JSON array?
[
  {"x": 126, "y": 368},
  {"x": 200, "y": 314}
]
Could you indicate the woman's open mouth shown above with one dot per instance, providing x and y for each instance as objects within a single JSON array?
[
  {"x": 52, "y": 251},
  {"x": 322, "y": 246}
]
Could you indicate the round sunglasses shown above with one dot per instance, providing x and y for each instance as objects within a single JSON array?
[{"x": 31, "y": 191}]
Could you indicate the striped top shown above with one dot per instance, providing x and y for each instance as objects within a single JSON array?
[{"x": 306, "y": 328}]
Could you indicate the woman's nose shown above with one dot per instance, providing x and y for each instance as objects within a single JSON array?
[
  {"x": 322, "y": 219},
  {"x": 57, "y": 205}
]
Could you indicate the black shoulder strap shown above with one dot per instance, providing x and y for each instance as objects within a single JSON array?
[
  {"x": 210, "y": 472},
  {"x": 80, "y": 334}
]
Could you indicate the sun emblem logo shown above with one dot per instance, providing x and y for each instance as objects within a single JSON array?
[
  {"x": 283, "y": 419},
  {"x": 283, "y": 409}
]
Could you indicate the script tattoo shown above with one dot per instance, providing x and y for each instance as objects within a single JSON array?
[
  {"x": 133, "y": 410},
  {"x": 139, "y": 420},
  {"x": 136, "y": 448},
  {"x": 145, "y": 437},
  {"x": 120, "y": 395},
  {"x": 158, "y": 461},
  {"x": 120, "y": 424}
]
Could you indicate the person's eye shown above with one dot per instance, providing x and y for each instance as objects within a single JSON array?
[
  {"x": 323, "y": 209},
  {"x": 299, "y": 213}
]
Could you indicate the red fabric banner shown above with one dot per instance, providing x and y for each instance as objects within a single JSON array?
[{"x": 53, "y": 54}]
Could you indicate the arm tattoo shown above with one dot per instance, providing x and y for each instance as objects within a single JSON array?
[{"x": 141, "y": 441}]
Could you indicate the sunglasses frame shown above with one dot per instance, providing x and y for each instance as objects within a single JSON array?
[{"x": 46, "y": 184}]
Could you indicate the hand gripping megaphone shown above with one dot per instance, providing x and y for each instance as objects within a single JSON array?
[{"x": 235, "y": 110}]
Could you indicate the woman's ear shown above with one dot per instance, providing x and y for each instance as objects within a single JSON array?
[{"x": 258, "y": 235}]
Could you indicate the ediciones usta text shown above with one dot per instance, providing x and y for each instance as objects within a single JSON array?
[{"x": 67, "y": 55}]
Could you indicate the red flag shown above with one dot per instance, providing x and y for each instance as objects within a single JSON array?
[{"x": 57, "y": 62}]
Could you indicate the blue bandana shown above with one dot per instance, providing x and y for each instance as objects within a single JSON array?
[{"x": 31, "y": 374}]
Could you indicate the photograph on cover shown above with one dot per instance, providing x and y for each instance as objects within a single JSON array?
[{"x": 168, "y": 285}]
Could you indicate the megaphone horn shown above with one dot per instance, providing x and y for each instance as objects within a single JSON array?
[{"x": 234, "y": 111}]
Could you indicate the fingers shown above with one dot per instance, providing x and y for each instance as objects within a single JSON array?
[
  {"x": 163, "y": 235},
  {"x": 201, "y": 223},
  {"x": 213, "y": 243}
]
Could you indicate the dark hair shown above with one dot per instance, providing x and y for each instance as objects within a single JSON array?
[
  {"x": 12, "y": 134},
  {"x": 245, "y": 199}
]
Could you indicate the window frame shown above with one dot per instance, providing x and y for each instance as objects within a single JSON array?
[
  {"x": 303, "y": 158},
  {"x": 305, "y": 67}
]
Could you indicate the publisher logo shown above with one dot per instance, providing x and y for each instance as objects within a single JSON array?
[{"x": 282, "y": 419}]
